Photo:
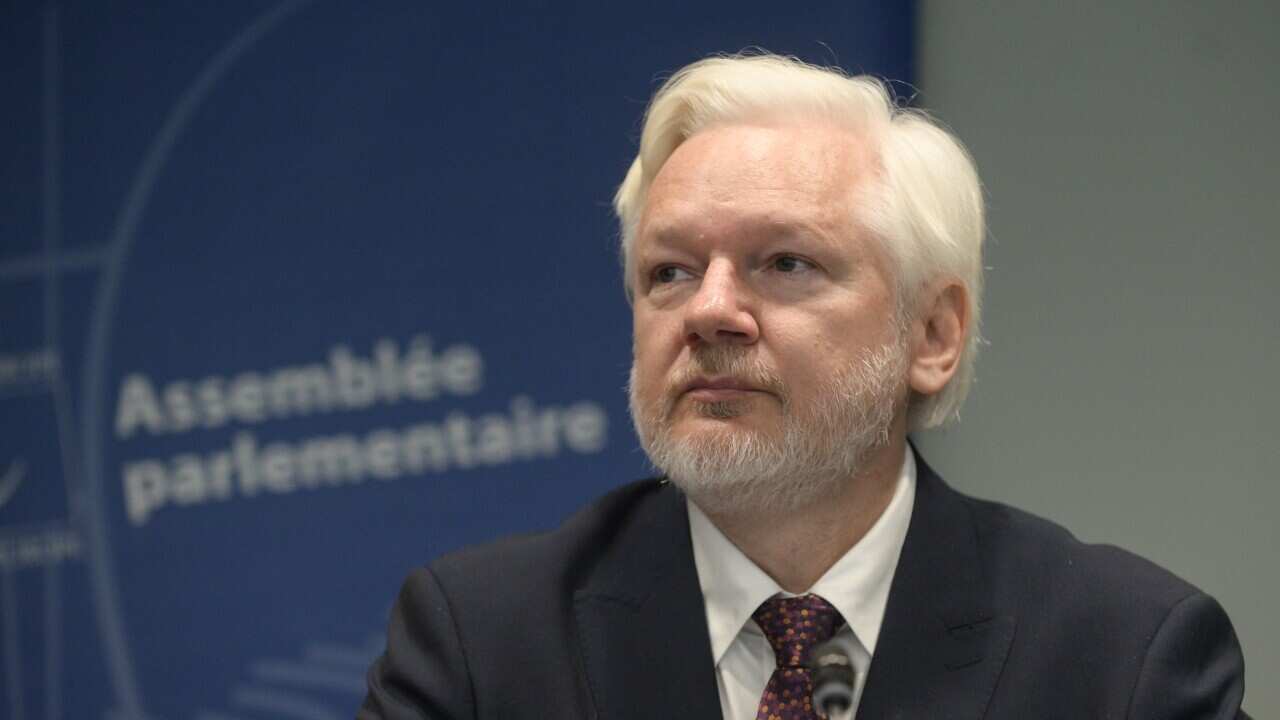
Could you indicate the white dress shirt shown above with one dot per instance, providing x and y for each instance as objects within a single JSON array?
[{"x": 733, "y": 587}]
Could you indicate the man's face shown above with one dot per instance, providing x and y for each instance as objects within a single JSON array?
[{"x": 763, "y": 315}]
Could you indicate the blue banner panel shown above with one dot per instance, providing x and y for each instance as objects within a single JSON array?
[{"x": 296, "y": 296}]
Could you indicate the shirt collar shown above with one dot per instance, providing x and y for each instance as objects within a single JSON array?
[{"x": 857, "y": 584}]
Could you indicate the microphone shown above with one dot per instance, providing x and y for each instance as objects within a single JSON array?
[{"x": 833, "y": 678}]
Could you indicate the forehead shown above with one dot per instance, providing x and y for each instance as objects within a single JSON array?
[{"x": 801, "y": 173}]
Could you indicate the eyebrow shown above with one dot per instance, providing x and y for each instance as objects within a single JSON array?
[{"x": 774, "y": 227}]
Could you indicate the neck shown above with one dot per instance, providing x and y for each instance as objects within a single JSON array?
[{"x": 798, "y": 548}]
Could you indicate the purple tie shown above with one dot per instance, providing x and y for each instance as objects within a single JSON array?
[{"x": 793, "y": 626}]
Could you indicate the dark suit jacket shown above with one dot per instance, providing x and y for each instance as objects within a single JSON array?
[{"x": 993, "y": 613}]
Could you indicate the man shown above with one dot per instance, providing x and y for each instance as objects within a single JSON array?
[{"x": 804, "y": 265}]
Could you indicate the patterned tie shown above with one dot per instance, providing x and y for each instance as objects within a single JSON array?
[{"x": 793, "y": 626}]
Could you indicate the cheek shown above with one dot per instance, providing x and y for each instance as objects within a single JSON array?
[
  {"x": 808, "y": 350},
  {"x": 655, "y": 334},
  {"x": 651, "y": 354}
]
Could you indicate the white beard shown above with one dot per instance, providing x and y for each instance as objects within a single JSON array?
[{"x": 731, "y": 471}]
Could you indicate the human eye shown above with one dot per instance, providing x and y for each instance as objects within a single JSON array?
[
  {"x": 667, "y": 274},
  {"x": 790, "y": 264}
]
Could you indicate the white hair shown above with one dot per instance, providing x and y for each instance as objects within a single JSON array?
[
  {"x": 924, "y": 205},
  {"x": 822, "y": 444}
]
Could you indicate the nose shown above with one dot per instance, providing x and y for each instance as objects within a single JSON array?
[{"x": 721, "y": 311}]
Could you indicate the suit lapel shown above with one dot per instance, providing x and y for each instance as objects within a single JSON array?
[
  {"x": 941, "y": 645},
  {"x": 641, "y": 621}
]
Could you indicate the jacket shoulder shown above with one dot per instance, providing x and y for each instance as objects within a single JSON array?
[
  {"x": 1139, "y": 640},
  {"x": 464, "y": 622},
  {"x": 559, "y": 558},
  {"x": 1041, "y": 556}
]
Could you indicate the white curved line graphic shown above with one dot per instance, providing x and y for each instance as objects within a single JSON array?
[
  {"x": 342, "y": 656},
  {"x": 307, "y": 675},
  {"x": 282, "y": 703},
  {"x": 101, "y": 572},
  {"x": 12, "y": 478}
]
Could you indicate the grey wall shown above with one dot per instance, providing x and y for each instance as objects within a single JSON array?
[{"x": 1129, "y": 390}]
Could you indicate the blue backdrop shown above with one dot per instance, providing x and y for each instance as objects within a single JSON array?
[{"x": 296, "y": 296}]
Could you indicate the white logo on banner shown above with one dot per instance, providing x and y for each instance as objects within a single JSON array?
[
  {"x": 11, "y": 479},
  {"x": 346, "y": 382}
]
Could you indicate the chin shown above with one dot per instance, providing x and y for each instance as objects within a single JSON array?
[
  {"x": 745, "y": 423},
  {"x": 730, "y": 470},
  {"x": 747, "y": 491},
  {"x": 722, "y": 438},
  {"x": 747, "y": 413}
]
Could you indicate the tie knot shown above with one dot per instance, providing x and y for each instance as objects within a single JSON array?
[{"x": 795, "y": 625}]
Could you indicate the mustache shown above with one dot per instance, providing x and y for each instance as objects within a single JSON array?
[{"x": 723, "y": 361}]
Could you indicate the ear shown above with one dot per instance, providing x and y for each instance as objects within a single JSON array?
[{"x": 938, "y": 334}]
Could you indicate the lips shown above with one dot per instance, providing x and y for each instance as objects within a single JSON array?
[{"x": 718, "y": 388}]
